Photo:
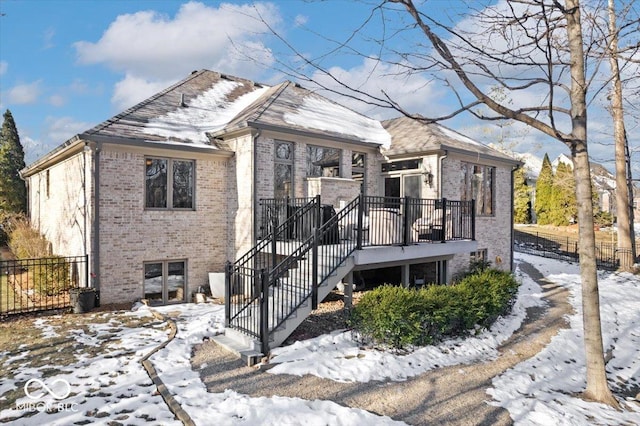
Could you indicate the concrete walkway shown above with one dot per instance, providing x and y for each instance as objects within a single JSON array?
[{"x": 452, "y": 395}]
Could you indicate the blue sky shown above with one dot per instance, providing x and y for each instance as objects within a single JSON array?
[{"x": 66, "y": 65}]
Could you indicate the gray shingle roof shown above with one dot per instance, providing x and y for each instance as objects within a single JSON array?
[
  {"x": 134, "y": 122},
  {"x": 412, "y": 136},
  {"x": 215, "y": 104}
]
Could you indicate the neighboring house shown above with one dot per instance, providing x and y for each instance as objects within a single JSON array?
[{"x": 170, "y": 190}]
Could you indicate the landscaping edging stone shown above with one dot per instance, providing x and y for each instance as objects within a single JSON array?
[{"x": 167, "y": 396}]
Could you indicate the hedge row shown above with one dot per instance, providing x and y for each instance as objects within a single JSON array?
[{"x": 400, "y": 317}]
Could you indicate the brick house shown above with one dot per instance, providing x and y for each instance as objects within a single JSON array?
[{"x": 170, "y": 190}]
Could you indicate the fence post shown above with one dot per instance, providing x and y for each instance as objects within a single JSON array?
[
  {"x": 444, "y": 221},
  {"x": 264, "y": 312},
  {"x": 86, "y": 270},
  {"x": 274, "y": 244},
  {"x": 360, "y": 220},
  {"x": 473, "y": 220},
  {"x": 227, "y": 293},
  {"x": 318, "y": 217},
  {"x": 405, "y": 222},
  {"x": 314, "y": 270}
]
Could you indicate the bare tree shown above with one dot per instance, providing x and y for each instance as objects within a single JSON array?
[
  {"x": 528, "y": 48},
  {"x": 626, "y": 252}
]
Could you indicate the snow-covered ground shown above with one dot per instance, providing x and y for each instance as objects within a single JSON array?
[
  {"x": 537, "y": 391},
  {"x": 102, "y": 381}
]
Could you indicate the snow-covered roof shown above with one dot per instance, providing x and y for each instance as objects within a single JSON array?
[
  {"x": 207, "y": 104},
  {"x": 319, "y": 113},
  {"x": 208, "y": 112}
]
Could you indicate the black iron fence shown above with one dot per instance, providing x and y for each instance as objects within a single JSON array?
[
  {"x": 378, "y": 221},
  {"x": 564, "y": 248},
  {"x": 274, "y": 212},
  {"x": 29, "y": 285}
]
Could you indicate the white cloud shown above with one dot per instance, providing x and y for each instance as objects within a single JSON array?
[
  {"x": 131, "y": 90},
  {"x": 415, "y": 93},
  {"x": 4, "y": 66},
  {"x": 25, "y": 93},
  {"x": 57, "y": 100},
  {"x": 33, "y": 148},
  {"x": 300, "y": 20},
  {"x": 155, "y": 47},
  {"x": 47, "y": 38},
  {"x": 60, "y": 129}
]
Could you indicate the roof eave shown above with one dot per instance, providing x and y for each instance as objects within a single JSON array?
[
  {"x": 134, "y": 142},
  {"x": 58, "y": 153},
  {"x": 310, "y": 134},
  {"x": 483, "y": 155}
]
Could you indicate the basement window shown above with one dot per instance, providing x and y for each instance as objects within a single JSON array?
[{"x": 165, "y": 282}]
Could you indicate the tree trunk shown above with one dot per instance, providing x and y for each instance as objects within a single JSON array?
[
  {"x": 597, "y": 388},
  {"x": 625, "y": 241}
]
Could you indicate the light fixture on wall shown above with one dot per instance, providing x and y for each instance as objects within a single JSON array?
[{"x": 428, "y": 177}]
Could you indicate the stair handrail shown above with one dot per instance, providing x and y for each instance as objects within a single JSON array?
[
  {"x": 245, "y": 272},
  {"x": 273, "y": 235},
  {"x": 337, "y": 253}
]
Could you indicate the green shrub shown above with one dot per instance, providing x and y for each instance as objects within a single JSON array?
[
  {"x": 51, "y": 275},
  {"x": 475, "y": 267},
  {"x": 399, "y": 317},
  {"x": 389, "y": 315},
  {"x": 603, "y": 219}
]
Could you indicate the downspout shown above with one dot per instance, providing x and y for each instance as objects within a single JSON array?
[
  {"x": 28, "y": 191},
  {"x": 84, "y": 210},
  {"x": 254, "y": 185},
  {"x": 440, "y": 160},
  {"x": 96, "y": 218},
  {"x": 512, "y": 214}
]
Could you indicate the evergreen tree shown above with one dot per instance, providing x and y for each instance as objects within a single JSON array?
[
  {"x": 564, "y": 207},
  {"x": 544, "y": 192},
  {"x": 521, "y": 198},
  {"x": 13, "y": 190}
]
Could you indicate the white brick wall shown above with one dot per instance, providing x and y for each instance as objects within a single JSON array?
[
  {"x": 60, "y": 214},
  {"x": 333, "y": 190}
]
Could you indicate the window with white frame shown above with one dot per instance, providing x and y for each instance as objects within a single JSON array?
[
  {"x": 169, "y": 183},
  {"x": 478, "y": 183}
]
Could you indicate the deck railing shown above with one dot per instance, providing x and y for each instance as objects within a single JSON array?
[
  {"x": 383, "y": 221},
  {"x": 275, "y": 211}
]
